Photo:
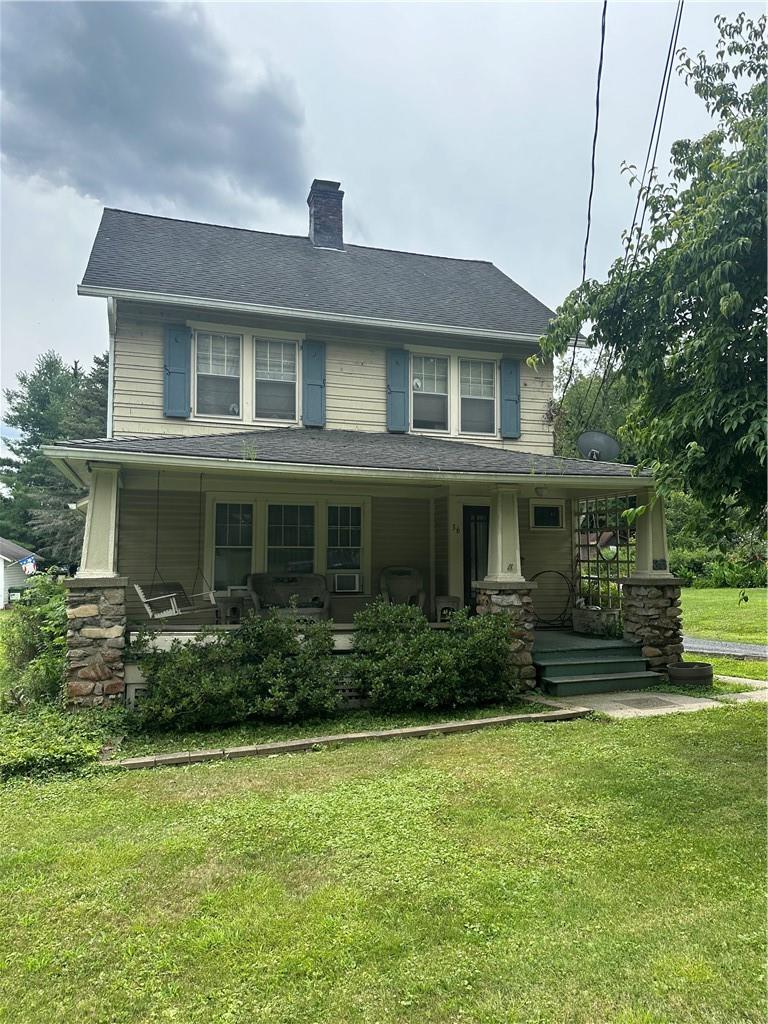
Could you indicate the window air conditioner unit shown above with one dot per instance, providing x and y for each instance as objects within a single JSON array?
[{"x": 347, "y": 582}]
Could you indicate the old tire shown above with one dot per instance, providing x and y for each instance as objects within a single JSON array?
[{"x": 691, "y": 673}]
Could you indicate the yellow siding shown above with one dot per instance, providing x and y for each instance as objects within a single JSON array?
[
  {"x": 546, "y": 549},
  {"x": 441, "y": 546},
  {"x": 355, "y": 378},
  {"x": 400, "y": 536}
]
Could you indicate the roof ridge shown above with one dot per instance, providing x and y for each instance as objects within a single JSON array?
[{"x": 304, "y": 238}]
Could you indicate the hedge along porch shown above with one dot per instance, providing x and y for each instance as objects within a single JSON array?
[{"x": 151, "y": 510}]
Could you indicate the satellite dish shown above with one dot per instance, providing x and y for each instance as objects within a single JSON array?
[{"x": 597, "y": 446}]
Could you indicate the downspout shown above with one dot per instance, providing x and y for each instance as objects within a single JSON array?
[{"x": 112, "y": 321}]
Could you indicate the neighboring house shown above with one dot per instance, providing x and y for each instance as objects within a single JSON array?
[
  {"x": 12, "y": 576},
  {"x": 284, "y": 404}
]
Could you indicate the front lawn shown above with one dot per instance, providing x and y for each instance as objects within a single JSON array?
[
  {"x": 717, "y": 615},
  {"x": 745, "y": 668},
  {"x": 586, "y": 873}
]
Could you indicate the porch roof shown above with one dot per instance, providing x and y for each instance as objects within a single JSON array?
[{"x": 345, "y": 449}]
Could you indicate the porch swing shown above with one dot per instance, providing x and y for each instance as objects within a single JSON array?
[{"x": 163, "y": 599}]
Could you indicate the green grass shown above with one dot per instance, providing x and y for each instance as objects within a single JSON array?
[
  {"x": 350, "y": 721},
  {"x": 744, "y": 668},
  {"x": 717, "y": 615},
  {"x": 718, "y": 689},
  {"x": 584, "y": 873}
]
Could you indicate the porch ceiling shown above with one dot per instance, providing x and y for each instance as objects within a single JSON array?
[{"x": 344, "y": 452}]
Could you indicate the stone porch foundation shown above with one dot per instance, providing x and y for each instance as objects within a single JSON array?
[
  {"x": 651, "y": 611},
  {"x": 514, "y": 600},
  {"x": 95, "y": 672}
]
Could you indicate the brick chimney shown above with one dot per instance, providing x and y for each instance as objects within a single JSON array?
[{"x": 325, "y": 221}]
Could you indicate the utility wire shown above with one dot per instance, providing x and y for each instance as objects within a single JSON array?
[
  {"x": 643, "y": 194},
  {"x": 591, "y": 183}
]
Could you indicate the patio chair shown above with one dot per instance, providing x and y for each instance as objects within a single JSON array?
[
  {"x": 402, "y": 584},
  {"x": 296, "y": 596}
]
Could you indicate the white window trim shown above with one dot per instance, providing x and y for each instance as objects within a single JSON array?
[
  {"x": 546, "y": 503},
  {"x": 264, "y": 420},
  {"x": 209, "y": 417},
  {"x": 454, "y": 391},
  {"x": 496, "y": 384},
  {"x": 247, "y": 335},
  {"x": 297, "y": 497},
  {"x": 419, "y": 353}
]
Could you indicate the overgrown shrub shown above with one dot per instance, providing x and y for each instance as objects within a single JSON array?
[
  {"x": 269, "y": 669},
  {"x": 45, "y": 740},
  {"x": 401, "y": 663},
  {"x": 707, "y": 567},
  {"x": 33, "y": 644}
]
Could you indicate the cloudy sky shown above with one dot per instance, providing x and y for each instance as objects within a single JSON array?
[{"x": 456, "y": 129}]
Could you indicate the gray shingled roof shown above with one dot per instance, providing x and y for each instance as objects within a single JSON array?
[
  {"x": 357, "y": 450},
  {"x": 137, "y": 252},
  {"x": 13, "y": 552}
]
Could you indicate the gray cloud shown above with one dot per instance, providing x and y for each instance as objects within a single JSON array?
[{"x": 141, "y": 99}]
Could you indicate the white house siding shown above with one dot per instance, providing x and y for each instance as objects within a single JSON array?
[
  {"x": 400, "y": 536},
  {"x": 442, "y": 527},
  {"x": 11, "y": 576},
  {"x": 355, "y": 379}
]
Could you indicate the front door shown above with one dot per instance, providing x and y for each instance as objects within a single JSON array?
[{"x": 477, "y": 520}]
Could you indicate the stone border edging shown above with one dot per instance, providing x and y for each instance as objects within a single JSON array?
[{"x": 560, "y": 714}]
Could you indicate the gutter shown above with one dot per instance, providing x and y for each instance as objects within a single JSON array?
[
  {"x": 61, "y": 455},
  {"x": 305, "y": 314}
]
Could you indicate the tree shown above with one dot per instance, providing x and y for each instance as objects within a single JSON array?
[
  {"x": 52, "y": 402},
  {"x": 611, "y": 406},
  {"x": 684, "y": 317}
]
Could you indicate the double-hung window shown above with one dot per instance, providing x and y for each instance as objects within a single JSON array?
[
  {"x": 275, "y": 380},
  {"x": 233, "y": 544},
  {"x": 477, "y": 378},
  {"x": 344, "y": 536},
  {"x": 217, "y": 387},
  {"x": 291, "y": 538},
  {"x": 429, "y": 384}
]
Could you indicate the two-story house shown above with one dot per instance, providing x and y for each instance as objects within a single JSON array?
[{"x": 293, "y": 406}]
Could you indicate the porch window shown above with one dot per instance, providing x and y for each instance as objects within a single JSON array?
[
  {"x": 344, "y": 536},
  {"x": 218, "y": 375},
  {"x": 429, "y": 383},
  {"x": 478, "y": 396},
  {"x": 233, "y": 544},
  {"x": 291, "y": 538},
  {"x": 275, "y": 380}
]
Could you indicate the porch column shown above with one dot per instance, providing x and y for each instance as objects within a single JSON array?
[
  {"x": 504, "y": 541},
  {"x": 650, "y": 597},
  {"x": 95, "y": 670},
  {"x": 99, "y": 554}
]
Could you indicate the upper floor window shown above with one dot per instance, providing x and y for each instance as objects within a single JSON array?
[
  {"x": 217, "y": 391},
  {"x": 478, "y": 396},
  {"x": 275, "y": 380},
  {"x": 429, "y": 384}
]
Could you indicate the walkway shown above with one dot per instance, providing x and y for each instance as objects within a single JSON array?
[
  {"x": 635, "y": 704},
  {"x": 697, "y": 645}
]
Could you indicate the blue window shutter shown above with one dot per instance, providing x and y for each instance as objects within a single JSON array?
[
  {"x": 397, "y": 391},
  {"x": 177, "y": 371},
  {"x": 313, "y": 384},
  {"x": 510, "y": 398}
]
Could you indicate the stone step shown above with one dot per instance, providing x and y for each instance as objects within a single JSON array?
[
  {"x": 596, "y": 666},
  {"x": 596, "y": 653},
  {"x": 604, "y": 683}
]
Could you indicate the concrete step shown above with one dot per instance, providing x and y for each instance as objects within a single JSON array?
[
  {"x": 604, "y": 683},
  {"x": 599, "y": 665},
  {"x": 598, "y": 652}
]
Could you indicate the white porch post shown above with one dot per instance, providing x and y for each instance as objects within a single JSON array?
[
  {"x": 99, "y": 555},
  {"x": 504, "y": 543},
  {"x": 651, "y": 554}
]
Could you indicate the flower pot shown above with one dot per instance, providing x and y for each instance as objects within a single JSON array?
[{"x": 691, "y": 673}]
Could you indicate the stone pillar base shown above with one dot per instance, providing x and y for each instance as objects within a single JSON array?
[
  {"x": 513, "y": 599},
  {"x": 95, "y": 672},
  {"x": 651, "y": 612}
]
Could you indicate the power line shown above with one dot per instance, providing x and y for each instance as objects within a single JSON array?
[
  {"x": 642, "y": 194},
  {"x": 591, "y": 181}
]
